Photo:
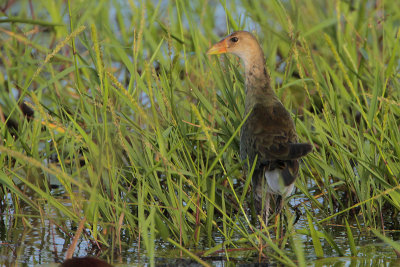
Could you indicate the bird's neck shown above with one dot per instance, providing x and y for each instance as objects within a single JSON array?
[{"x": 258, "y": 86}]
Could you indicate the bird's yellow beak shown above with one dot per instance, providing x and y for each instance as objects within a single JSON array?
[{"x": 218, "y": 48}]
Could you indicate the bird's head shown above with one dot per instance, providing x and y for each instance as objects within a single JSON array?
[{"x": 241, "y": 43}]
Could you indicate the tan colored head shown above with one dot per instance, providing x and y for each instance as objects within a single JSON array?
[{"x": 242, "y": 44}]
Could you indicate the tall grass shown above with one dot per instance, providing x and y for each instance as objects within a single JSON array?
[{"x": 140, "y": 129}]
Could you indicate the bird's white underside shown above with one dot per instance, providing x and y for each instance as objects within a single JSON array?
[{"x": 275, "y": 183}]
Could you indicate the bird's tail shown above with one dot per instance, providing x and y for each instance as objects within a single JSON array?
[
  {"x": 299, "y": 150},
  {"x": 290, "y": 171}
]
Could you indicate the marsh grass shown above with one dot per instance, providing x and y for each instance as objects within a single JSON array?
[{"x": 140, "y": 129}]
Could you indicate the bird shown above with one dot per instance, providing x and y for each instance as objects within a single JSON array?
[{"x": 269, "y": 133}]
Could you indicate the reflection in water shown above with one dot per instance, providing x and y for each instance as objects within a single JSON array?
[
  {"x": 85, "y": 262},
  {"x": 28, "y": 241},
  {"x": 37, "y": 237}
]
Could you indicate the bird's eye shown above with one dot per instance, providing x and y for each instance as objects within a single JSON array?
[{"x": 234, "y": 39}]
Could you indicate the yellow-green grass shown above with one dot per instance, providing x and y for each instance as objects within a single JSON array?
[{"x": 140, "y": 128}]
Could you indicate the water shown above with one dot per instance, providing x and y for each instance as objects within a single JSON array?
[
  {"x": 27, "y": 238},
  {"x": 26, "y": 241}
]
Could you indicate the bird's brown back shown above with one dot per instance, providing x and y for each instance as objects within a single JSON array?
[{"x": 267, "y": 132}]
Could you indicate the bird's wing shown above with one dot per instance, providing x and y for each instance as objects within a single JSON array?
[{"x": 272, "y": 134}]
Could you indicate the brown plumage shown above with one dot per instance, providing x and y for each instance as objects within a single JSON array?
[{"x": 269, "y": 132}]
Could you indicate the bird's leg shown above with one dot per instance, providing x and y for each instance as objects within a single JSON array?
[
  {"x": 279, "y": 204},
  {"x": 253, "y": 207},
  {"x": 267, "y": 206},
  {"x": 280, "y": 211}
]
